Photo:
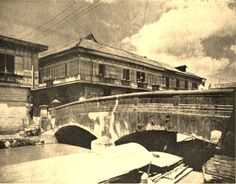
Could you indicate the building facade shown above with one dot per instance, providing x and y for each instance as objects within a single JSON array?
[
  {"x": 18, "y": 75},
  {"x": 90, "y": 69}
]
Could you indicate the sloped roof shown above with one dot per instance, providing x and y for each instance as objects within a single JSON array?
[
  {"x": 90, "y": 43},
  {"x": 35, "y": 46}
]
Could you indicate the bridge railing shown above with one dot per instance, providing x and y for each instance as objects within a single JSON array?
[{"x": 197, "y": 113}]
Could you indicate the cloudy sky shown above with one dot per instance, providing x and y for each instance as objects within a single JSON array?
[{"x": 198, "y": 33}]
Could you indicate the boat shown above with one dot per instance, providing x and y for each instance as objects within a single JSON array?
[{"x": 126, "y": 163}]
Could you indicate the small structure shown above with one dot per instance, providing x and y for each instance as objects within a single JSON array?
[{"x": 18, "y": 74}]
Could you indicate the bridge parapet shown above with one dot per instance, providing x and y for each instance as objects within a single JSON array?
[{"x": 195, "y": 113}]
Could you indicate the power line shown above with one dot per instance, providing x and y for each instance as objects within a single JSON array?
[
  {"x": 84, "y": 12},
  {"x": 49, "y": 21},
  {"x": 69, "y": 18},
  {"x": 80, "y": 14},
  {"x": 59, "y": 21}
]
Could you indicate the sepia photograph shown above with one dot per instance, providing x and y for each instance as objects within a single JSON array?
[{"x": 117, "y": 91}]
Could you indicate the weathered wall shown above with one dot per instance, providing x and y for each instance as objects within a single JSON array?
[
  {"x": 13, "y": 108},
  {"x": 191, "y": 112}
]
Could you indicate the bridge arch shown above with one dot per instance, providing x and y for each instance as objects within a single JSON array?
[
  {"x": 74, "y": 135},
  {"x": 195, "y": 152},
  {"x": 153, "y": 140}
]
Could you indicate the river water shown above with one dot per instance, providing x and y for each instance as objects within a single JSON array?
[{"x": 30, "y": 153}]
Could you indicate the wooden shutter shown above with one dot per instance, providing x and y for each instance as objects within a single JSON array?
[{"x": 19, "y": 65}]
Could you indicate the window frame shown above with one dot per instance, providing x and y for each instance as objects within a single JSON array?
[
  {"x": 140, "y": 77},
  {"x": 101, "y": 70},
  {"x": 8, "y": 66},
  {"x": 167, "y": 82},
  {"x": 126, "y": 74}
]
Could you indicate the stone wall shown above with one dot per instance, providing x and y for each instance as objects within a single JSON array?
[
  {"x": 13, "y": 108},
  {"x": 195, "y": 113}
]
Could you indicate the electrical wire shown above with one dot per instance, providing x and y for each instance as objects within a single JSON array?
[
  {"x": 59, "y": 21},
  {"x": 39, "y": 28},
  {"x": 63, "y": 23}
]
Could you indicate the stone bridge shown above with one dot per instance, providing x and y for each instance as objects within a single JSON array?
[{"x": 195, "y": 113}]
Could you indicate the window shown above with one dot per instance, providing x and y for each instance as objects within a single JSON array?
[
  {"x": 41, "y": 74},
  {"x": 149, "y": 78},
  {"x": 167, "y": 82},
  {"x": 85, "y": 66},
  {"x": 111, "y": 72},
  {"x": 27, "y": 63},
  {"x": 186, "y": 85},
  {"x": 177, "y": 83},
  {"x": 140, "y": 77},
  {"x": 2, "y": 63},
  {"x": 60, "y": 71},
  {"x": 72, "y": 68},
  {"x": 19, "y": 65},
  {"x": 7, "y": 63},
  {"x": 194, "y": 85},
  {"x": 101, "y": 70},
  {"x": 155, "y": 79},
  {"x": 126, "y": 74}
]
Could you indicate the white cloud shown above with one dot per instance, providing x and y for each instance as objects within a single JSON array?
[
  {"x": 233, "y": 67},
  {"x": 176, "y": 38},
  {"x": 233, "y": 48},
  {"x": 202, "y": 65}
]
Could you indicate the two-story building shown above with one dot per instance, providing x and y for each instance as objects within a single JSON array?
[
  {"x": 18, "y": 75},
  {"x": 91, "y": 69}
]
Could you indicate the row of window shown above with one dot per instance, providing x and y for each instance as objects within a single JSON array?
[
  {"x": 87, "y": 68},
  {"x": 180, "y": 84},
  {"x": 103, "y": 71}
]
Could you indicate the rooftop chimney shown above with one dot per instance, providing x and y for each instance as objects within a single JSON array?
[{"x": 181, "y": 68}]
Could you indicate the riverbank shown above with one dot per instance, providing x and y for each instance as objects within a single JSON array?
[{"x": 16, "y": 140}]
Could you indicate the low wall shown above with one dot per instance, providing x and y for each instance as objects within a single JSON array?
[{"x": 195, "y": 113}]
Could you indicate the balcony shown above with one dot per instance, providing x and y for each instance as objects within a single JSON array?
[
  {"x": 106, "y": 79},
  {"x": 155, "y": 87},
  {"x": 142, "y": 84},
  {"x": 11, "y": 78},
  {"x": 125, "y": 82}
]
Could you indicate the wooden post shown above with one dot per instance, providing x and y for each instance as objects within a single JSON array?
[
  {"x": 32, "y": 75},
  {"x": 43, "y": 115},
  {"x": 23, "y": 122}
]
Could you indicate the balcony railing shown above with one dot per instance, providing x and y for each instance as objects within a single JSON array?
[
  {"x": 11, "y": 78},
  {"x": 106, "y": 80},
  {"x": 125, "y": 82},
  {"x": 155, "y": 87},
  {"x": 142, "y": 84}
]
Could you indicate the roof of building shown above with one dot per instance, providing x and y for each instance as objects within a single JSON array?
[
  {"x": 34, "y": 46},
  {"x": 90, "y": 43}
]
